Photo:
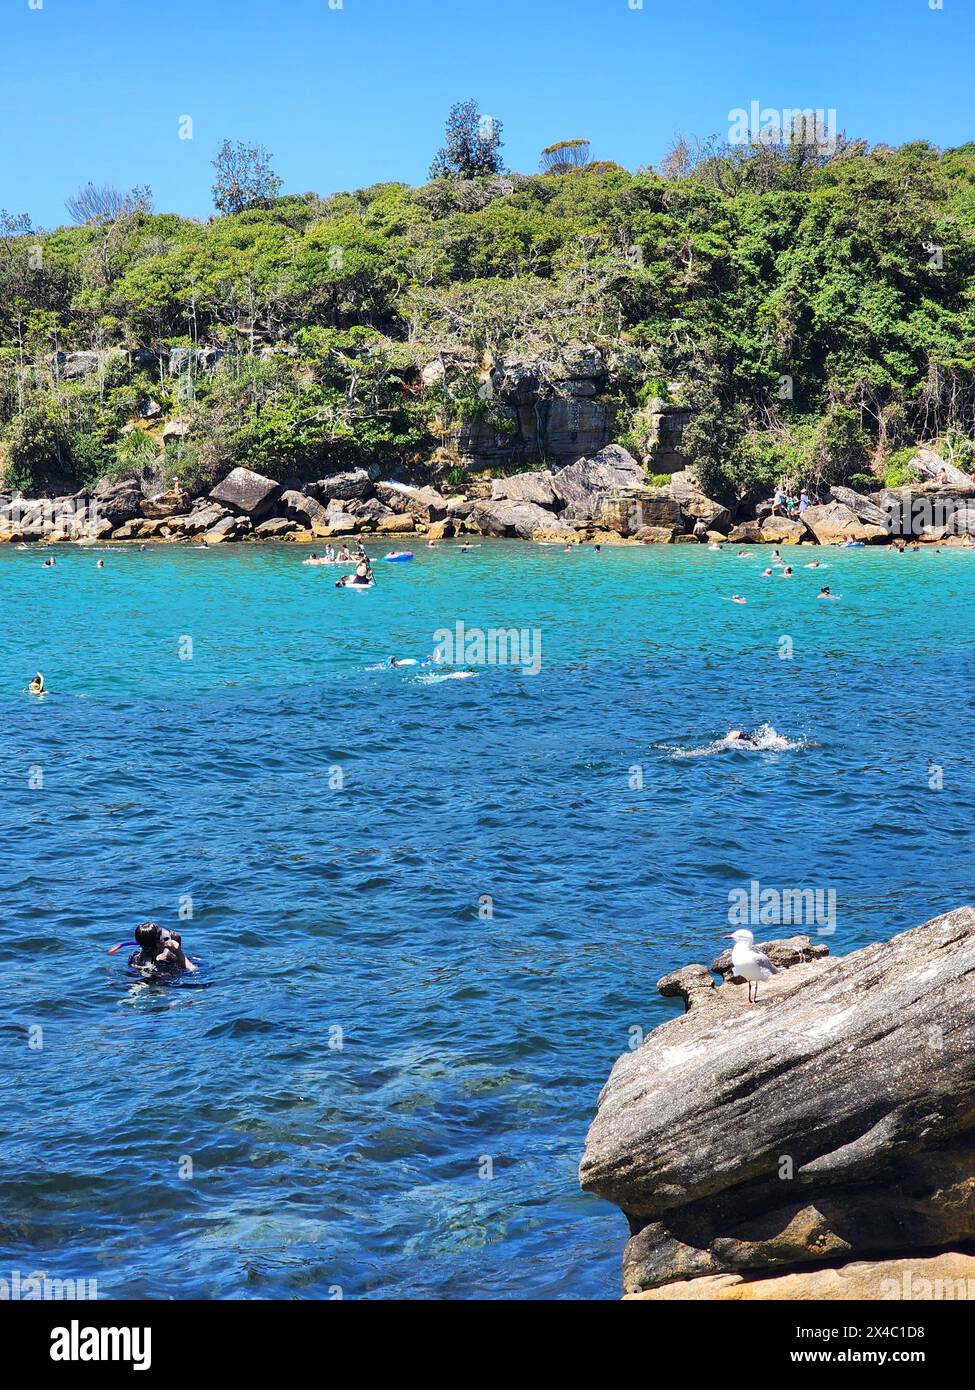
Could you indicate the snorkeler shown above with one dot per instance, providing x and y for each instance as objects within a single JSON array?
[
  {"x": 160, "y": 951},
  {"x": 825, "y": 593},
  {"x": 99, "y": 564},
  {"x": 36, "y": 686}
]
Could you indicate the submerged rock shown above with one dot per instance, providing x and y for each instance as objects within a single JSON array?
[{"x": 834, "y": 1118}]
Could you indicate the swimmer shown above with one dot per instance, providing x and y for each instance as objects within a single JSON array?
[
  {"x": 567, "y": 550},
  {"x": 99, "y": 564},
  {"x": 825, "y": 593},
  {"x": 312, "y": 559},
  {"x": 814, "y": 565},
  {"x": 173, "y": 954},
  {"x": 431, "y": 545},
  {"x": 36, "y": 686},
  {"x": 777, "y": 558},
  {"x": 153, "y": 956},
  {"x": 465, "y": 546},
  {"x": 746, "y": 554},
  {"x": 737, "y": 598},
  {"x": 786, "y": 573},
  {"x": 49, "y": 563}
]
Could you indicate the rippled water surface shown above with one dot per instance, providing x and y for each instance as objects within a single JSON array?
[{"x": 470, "y": 1043}]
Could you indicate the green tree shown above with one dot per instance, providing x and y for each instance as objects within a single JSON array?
[{"x": 471, "y": 146}]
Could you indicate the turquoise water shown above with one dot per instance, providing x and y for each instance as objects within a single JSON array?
[{"x": 433, "y": 1152}]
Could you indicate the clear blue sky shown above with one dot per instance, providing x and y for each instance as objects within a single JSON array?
[{"x": 94, "y": 89}]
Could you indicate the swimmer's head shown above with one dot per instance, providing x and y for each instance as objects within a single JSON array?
[{"x": 149, "y": 936}]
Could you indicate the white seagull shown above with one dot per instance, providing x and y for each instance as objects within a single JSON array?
[{"x": 753, "y": 966}]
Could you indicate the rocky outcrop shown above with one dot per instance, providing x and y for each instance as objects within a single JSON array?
[
  {"x": 834, "y": 522},
  {"x": 248, "y": 492},
  {"x": 934, "y": 1278},
  {"x": 783, "y": 530},
  {"x": 422, "y": 503},
  {"x": 695, "y": 505},
  {"x": 580, "y": 488},
  {"x": 344, "y": 487},
  {"x": 833, "y": 1119},
  {"x": 525, "y": 487},
  {"x": 863, "y": 508},
  {"x": 523, "y": 519}
]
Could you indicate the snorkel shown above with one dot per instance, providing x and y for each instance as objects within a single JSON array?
[{"x": 113, "y": 949}]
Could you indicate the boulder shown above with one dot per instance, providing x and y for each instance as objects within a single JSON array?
[
  {"x": 163, "y": 505},
  {"x": 936, "y": 1277},
  {"x": 396, "y": 523},
  {"x": 862, "y": 507},
  {"x": 422, "y": 503},
  {"x": 120, "y": 505},
  {"x": 695, "y": 505},
  {"x": 337, "y": 523},
  {"x": 524, "y": 519},
  {"x": 300, "y": 507},
  {"x": 782, "y": 530},
  {"x": 229, "y": 528},
  {"x": 274, "y": 528},
  {"x": 246, "y": 491},
  {"x": 835, "y": 1118},
  {"x": 355, "y": 483},
  {"x": 748, "y": 533},
  {"x": 931, "y": 467},
  {"x": 368, "y": 512},
  {"x": 204, "y": 518},
  {"x": 440, "y": 530},
  {"x": 525, "y": 487},
  {"x": 656, "y": 535},
  {"x": 581, "y": 487},
  {"x": 834, "y": 522}
]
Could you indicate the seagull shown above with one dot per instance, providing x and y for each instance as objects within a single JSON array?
[{"x": 753, "y": 966}]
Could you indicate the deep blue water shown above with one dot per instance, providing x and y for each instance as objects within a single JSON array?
[{"x": 465, "y": 1038}]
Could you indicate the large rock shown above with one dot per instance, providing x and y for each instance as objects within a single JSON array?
[
  {"x": 248, "y": 492},
  {"x": 120, "y": 504},
  {"x": 695, "y": 505},
  {"x": 931, "y": 467},
  {"x": 423, "y": 503},
  {"x": 355, "y": 483},
  {"x": 163, "y": 505},
  {"x": 581, "y": 488},
  {"x": 935, "y": 1278},
  {"x": 834, "y": 1118},
  {"x": 862, "y": 507},
  {"x": 834, "y": 522},
  {"x": 300, "y": 507},
  {"x": 782, "y": 530},
  {"x": 524, "y": 519},
  {"x": 228, "y": 528},
  {"x": 525, "y": 487}
]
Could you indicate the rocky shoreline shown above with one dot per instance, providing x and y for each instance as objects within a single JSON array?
[
  {"x": 821, "y": 1140},
  {"x": 605, "y": 499}
]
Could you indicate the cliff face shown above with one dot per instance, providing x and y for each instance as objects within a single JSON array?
[{"x": 832, "y": 1120}]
